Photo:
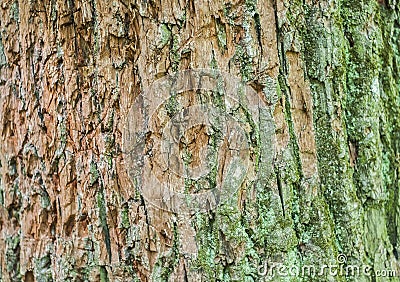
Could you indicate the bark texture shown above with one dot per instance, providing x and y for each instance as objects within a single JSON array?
[{"x": 329, "y": 73}]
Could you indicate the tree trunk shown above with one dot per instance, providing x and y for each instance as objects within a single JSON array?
[{"x": 93, "y": 186}]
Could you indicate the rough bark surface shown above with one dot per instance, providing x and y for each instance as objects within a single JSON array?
[{"x": 329, "y": 73}]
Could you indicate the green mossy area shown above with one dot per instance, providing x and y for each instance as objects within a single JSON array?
[{"x": 351, "y": 60}]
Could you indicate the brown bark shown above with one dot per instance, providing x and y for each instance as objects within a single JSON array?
[{"x": 323, "y": 182}]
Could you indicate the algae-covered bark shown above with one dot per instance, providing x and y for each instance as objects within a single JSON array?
[{"x": 326, "y": 192}]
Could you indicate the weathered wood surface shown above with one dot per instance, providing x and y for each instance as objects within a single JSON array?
[{"x": 70, "y": 71}]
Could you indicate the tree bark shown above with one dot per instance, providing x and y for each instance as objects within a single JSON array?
[{"x": 321, "y": 188}]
